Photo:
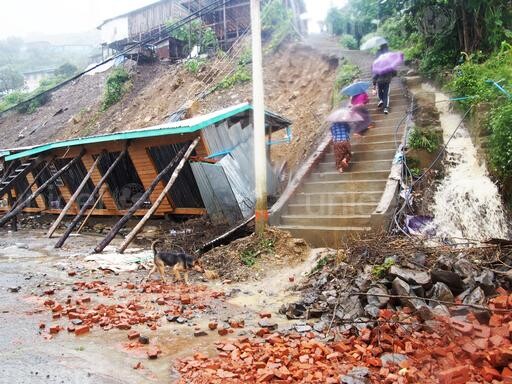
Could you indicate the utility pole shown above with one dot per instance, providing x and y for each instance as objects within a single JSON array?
[{"x": 260, "y": 155}]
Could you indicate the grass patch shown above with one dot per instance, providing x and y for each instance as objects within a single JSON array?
[{"x": 118, "y": 83}]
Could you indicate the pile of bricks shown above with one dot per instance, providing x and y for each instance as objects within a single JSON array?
[
  {"x": 147, "y": 306},
  {"x": 401, "y": 349}
]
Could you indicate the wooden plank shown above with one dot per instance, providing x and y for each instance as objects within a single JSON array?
[
  {"x": 39, "y": 199},
  {"x": 189, "y": 211},
  {"x": 143, "y": 163}
]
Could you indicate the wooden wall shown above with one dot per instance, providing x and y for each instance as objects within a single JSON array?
[{"x": 146, "y": 170}]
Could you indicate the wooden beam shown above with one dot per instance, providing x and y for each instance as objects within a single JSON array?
[
  {"x": 156, "y": 204},
  {"x": 149, "y": 190},
  {"x": 39, "y": 199},
  {"x": 77, "y": 218},
  {"x": 19, "y": 207},
  {"x": 72, "y": 198},
  {"x": 91, "y": 210},
  {"x": 96, "y": 177}
]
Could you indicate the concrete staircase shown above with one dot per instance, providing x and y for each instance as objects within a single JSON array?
[{"x": 329, "y": 206}]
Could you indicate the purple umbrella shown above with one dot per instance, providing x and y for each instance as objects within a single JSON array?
[
  {"x": 387, "y": 62},
  {"x": 344, "y": 115}
]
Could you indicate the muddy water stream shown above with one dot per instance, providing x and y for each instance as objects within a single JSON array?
[{"x": 467, "y": 204}]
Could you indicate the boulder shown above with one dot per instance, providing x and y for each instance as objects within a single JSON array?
[
  {"x": 401, "y": 288},
  {"x": 476, "y": 297},
  {"x": 451, "y": 279},
  {"x": 378, "y": 301},
  {"x": 440, "y": 291},
  {"x": 410, "y": 275}
]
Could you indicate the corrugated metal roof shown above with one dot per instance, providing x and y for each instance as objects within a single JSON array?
[{"x": 170, "y": 128}]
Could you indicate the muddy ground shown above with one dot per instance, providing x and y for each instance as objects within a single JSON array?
[{"x": 29, "y": 267}]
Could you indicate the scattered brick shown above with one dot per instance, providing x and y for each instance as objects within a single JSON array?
[
  {"x": 153, "y": 352},
  {"x": 212, "y": 326},
  {"x": 132, "y": 335},
  {"x": 81, "y": 330},
  {"x": 54, "y": 329}
]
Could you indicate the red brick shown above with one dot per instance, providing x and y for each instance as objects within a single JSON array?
[
  {"x": 54, "y": 329},
  {"x": 502, "y": 331},
  {"x": 138, "y": 365},
  {"x": 457, "y": 375},
  {"x": 489, "y": 373},
  {"x": 124, "y": 326},
  {"x": 152, "y": 352},
  {"x": 500, "y": 302},
  {"x": 212, "y": 326},
  {"x": 506, "y": 374},
  {"x": 71, "y": 273},
  {"x": 482, "y": 331},
  {"x": 461, "y": 326},
  {"x": 495, "y": 321},
  {"x": 160, "y": 301},
  {"x": 133, "y": 335},
  {"x": 222, "y": 331},
  {"x": 57, "y": 308},
  {"x": 291, "y": 279},
  {"x": 56, "y": 316},
  {"x": 42, "y": 326},
  {"x": 185, "y": 299},
  {"x": 83, "y": 329},
  {"x": 71, "y": 328},
  {"x": 49, "y": 292}
]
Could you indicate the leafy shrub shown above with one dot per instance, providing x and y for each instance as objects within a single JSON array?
[
  {"x": 241, "y": 75},
  {"x": 426, "y": 139},
  {"x": 277, "y": 24},
  {"x": 66, "y": 70},
  {"x": 118, "y": 83},
  {"x": 348, "y": 41},
  {"x": 194, "y": 65},
  {"x": 197, "y": 33},
  {"x": 345, "y": 75},
  {"x": 500, "y": 142},
  {"x": 379, "y": 271}
]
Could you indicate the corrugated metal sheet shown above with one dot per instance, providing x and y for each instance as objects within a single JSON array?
[
  {"x": 222, "y": 137},
  {"x": 216, "y": 192}
]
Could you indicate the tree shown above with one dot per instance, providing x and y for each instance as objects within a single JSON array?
[
  {"x": 10, "y": 80},
  {"x": 66, "y": 70}
]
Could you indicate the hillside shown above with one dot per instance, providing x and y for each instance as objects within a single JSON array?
[{"x": 298, "y": 81}]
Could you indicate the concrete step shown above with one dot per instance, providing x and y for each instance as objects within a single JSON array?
[
  {"x": 362, "y": 146},
  {"x": 396, "y": 108},
  {"x": 382, "y": 154},
  {"x": 356, "y": 166},
  {"x": 373, "y": 135},
  {"x": 332, "y": 175},
  {"x": 378, "y": 130},
  {"x": 331, "y": 209},
  {"x": 322, "y": 198},
  {"x": 319, "y": 236},
  {"x": 327, "y": 221},
  {"x": 344, "y": 186}
]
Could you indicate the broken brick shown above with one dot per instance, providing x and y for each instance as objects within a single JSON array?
[
  {"x": 54, "y": 329},
  {"x": 133, "y": 335},
  {"x": 212, "y": 326},
  {"x": 265, "y": 315},
  {"x": 152, "y": 352},
  {"x": 81, "y": 330},
  {"x": 457, "y": 375}
]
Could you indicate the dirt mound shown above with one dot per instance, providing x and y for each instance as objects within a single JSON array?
[{"x": 252, "y": 257}]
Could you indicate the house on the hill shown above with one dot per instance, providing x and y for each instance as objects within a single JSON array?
[
  {"x": 218, "y": 178},
  {"x": 228, "y": 19}
]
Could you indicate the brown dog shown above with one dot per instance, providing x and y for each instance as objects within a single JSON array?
[{"x": 179, "y": 261}]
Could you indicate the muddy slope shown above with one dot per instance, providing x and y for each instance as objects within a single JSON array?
[{"x": 298, "y": 83}]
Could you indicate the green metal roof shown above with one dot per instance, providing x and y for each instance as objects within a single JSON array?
[{"x": 173, "y": 128}]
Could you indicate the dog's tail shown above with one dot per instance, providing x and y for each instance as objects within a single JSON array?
[{"x": 153, "y": 247}]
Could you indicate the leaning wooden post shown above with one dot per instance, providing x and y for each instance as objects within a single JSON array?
[
  {"x": 158, "y": 201},
  {"x": 72, "y": 199},
  {"x": 21, "y": 206},
  {"x": 120, "y": 224},
  {"x": 10, "y": 201},
  {"x": 92, "y": 210},
  {"x": 77, "y": 218},
  {"x": 29, "y": 188}
]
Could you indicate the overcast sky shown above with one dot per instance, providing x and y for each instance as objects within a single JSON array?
[{"x": 26, "y": 17}]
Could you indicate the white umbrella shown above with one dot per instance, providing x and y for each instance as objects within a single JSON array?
[{"x": 373, "y": 42}]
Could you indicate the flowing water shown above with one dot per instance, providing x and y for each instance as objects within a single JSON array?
[{"x": 467, "y": 204}]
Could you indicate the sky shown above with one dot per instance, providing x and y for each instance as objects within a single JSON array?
[{"x": 28, "y": 17}]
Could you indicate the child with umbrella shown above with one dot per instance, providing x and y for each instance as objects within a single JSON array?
[{"x": 340, "y": 131}]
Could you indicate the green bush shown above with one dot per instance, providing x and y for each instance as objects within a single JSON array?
[
  {"x": 426, "y": 139},
  {"x": 197, "y": 33},
  {"x": 345, "y": 75},
  {"x": 194, "y": 65},
  {"x": 118, "y": 83},
  {"x": 277, "y": 24},
  {"x": 500, "y": 141},
  {"x": 348, "y": 41},
  {"x": 241, "y": 75}
]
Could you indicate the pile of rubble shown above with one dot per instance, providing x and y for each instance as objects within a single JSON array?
[
  {"x": 441, "y": 284},
  {"x": 82, "y": 313},
  {"x": 400, "y": 348}
]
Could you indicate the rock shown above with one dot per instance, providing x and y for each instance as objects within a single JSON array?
[
  {"x": 372, "y": 310},
  {"x": 401, "y": 288},
  {"x": 293, "y": 311},
  {"x": 378, "y": 301},
  {"x": 440, "y": 291},
  {"x": 445, "y": 262},
  {"x": 172, "y": 318},
  {"x": 200, "y": 333},
  {"x": 363, "y": 281},
  {"x": 358, "y": 375},
  {"x": 441, "y": 310},
  {"x": 77, "y": 321},
  {"x": 320, "y": 326},
  {"x": 420, "y": 258},
  {"x": 270, "y": 325},
  {"x": 143, "y": 339},
  {"x": 451, "y": 279},
  {"x": 410, "y": 275},
  {"x": 181, "y": 320},
  {"x": 476, "y": 297},
  {"x": 463, "y": 267},
  {"x": 14, "y": 289},
  {"x": 303, "y": 328},
  {"x": 486, "y": 281},
  {"x": 392, "y": 358},
  {"x": 21, "y": 245}
]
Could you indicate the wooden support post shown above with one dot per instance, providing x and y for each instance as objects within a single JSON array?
[
  {"x": 77, "y": 218},
  {"x": 91, "y": 210},
  {"x": 145, "y": 196},
  {"x": 155, "y": 205},
  {"x": 14, "y": 221},
  {"x": 19, "y": 207},
  {"x": 32, "y": 183},
  {"x": 73, "y": 198}
]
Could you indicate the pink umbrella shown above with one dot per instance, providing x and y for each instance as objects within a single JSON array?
[
  {"x": 387, "y": 62},
  {"x": 344, "y": 115}
]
